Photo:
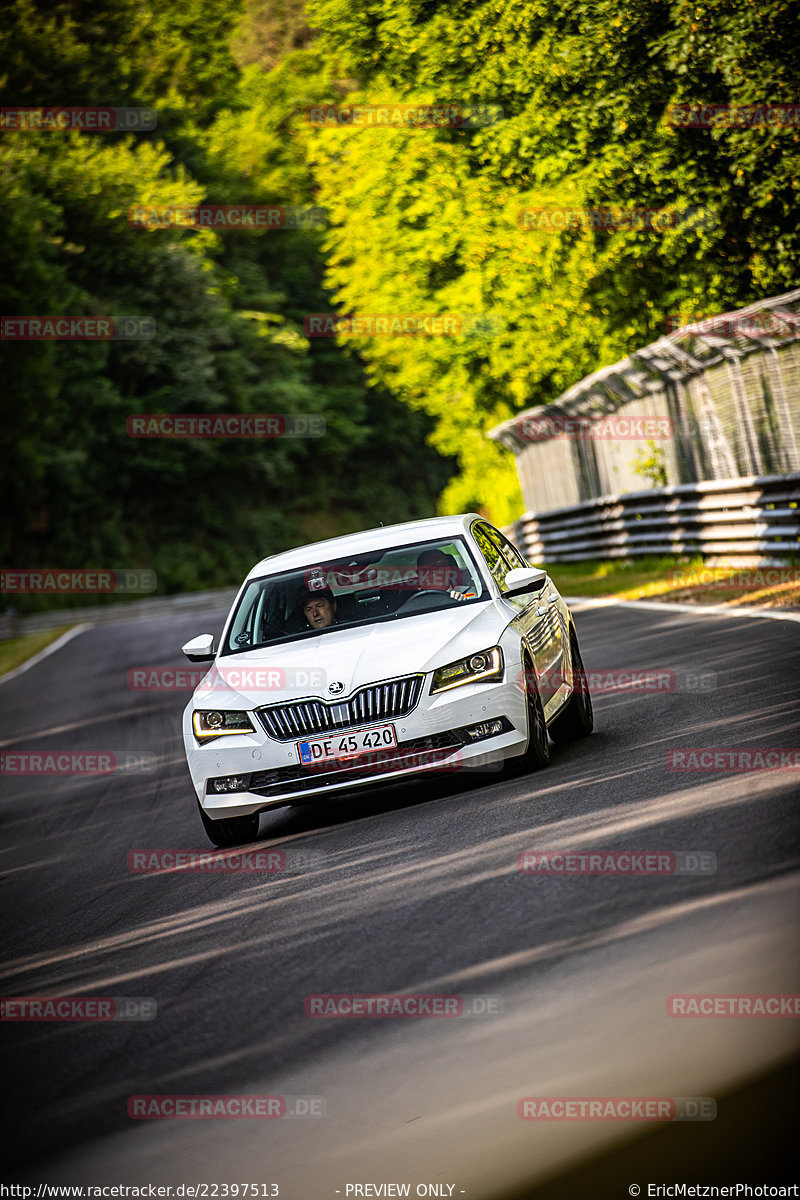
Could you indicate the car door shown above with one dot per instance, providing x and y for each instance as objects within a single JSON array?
[{"x": 538, "y": 622}]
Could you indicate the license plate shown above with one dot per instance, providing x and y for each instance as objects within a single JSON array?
[{"x": 338, "y": 746}]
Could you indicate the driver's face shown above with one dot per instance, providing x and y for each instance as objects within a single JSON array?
[
  {"x": 434, "y": 568},
  {"x": 319, "y": 613}
]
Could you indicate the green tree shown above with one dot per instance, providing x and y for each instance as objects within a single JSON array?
[
  {"x": 428, "y": 219},
  {"x": 228, "y": 308}
]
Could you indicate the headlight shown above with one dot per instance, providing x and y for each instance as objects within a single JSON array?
[
  {"x": 214, "y": 723},
  {"x": 484, "y": 666}
]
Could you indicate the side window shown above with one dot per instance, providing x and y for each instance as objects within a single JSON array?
[
  {"x": 242, "y": 631},
  {"x": 490, "y": 551},
  {"x": 510, "y": 553}
]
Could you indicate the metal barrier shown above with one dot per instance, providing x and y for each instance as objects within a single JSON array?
[
  {"x": 755, "y": 518},
  {"x": 722, "y": 396},
  {"x": 758, "y": 518}
]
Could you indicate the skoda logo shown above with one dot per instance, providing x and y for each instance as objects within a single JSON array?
[{"x": 335, "y": 688}]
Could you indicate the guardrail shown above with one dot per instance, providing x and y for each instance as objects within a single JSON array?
[
  {"x": 756, "y": 517},
  {"x": 219, "y": 599},
  {"x": 725, "y": 388}
]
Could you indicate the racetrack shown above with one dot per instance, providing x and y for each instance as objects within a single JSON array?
[{"x": 412, "y": 890}]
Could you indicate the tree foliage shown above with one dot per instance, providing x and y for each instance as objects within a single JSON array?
[
  {"x": 228, "y": 307},
  {"x": 422, "y": 220},
  {"x": 427, "y": 219}
]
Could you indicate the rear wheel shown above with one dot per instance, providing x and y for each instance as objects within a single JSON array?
[
  {"x": 538, "y": 752},
  {"x": 230, "y": 831},
  {"x": 577, "y": 719}
]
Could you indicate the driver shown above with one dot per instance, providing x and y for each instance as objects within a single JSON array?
[
  {"x": 319, "y": 608},
  {"x": 438, "y": 571}
]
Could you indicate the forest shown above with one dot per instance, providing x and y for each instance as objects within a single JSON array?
[{"x": 409, "y": 142}]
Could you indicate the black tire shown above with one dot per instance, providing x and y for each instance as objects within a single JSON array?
[
  {"x": 538, "y": 753},
  {"x": 230, "y": 831},
  {"x": 577, "y": 719}
]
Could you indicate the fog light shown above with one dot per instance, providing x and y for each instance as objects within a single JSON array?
[
  {"x": 485, "y": 729},
  {"x": 229, "y": 783}
]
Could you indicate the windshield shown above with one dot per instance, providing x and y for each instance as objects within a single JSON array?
[{"x": 365, "y": 589}]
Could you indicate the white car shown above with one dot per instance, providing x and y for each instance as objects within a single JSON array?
[{"x": 370, "y": 658}]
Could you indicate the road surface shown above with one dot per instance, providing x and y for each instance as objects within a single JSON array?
[{"x": 413, "y": 890}]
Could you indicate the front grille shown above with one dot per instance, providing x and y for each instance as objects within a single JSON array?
[{"x": 311, "y": 718}]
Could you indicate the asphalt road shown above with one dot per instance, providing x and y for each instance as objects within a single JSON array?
[{"x": 412, "y": 890}]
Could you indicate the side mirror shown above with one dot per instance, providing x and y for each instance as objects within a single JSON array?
[
  {"x": 524, "y": 579},
  {"x": 200, "y": 649}
]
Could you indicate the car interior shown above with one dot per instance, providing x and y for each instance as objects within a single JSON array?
[{"x": 366, "y": 589}]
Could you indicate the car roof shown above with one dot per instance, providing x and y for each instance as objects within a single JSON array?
[{"x": 382, "y": 538}]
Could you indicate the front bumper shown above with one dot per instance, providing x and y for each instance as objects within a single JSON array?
[{"x": 432, "y": 738}]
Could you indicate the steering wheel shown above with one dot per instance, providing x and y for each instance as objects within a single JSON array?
[
  {"x": 427, "y": 592},
  {"x": 444, "y": 597}
]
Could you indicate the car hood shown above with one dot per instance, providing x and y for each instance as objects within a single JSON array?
[{"x": 351, "y": 657}]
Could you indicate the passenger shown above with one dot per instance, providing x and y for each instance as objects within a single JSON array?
[
  {"x": 439, "y": 573},
  {"x": 319, "y": 608}
]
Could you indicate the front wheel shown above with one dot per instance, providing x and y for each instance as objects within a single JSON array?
[
  {"x": 538, "y": 752},
  {"x": 230, "y": 831},
  {"x": 577, "y": 720}
]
